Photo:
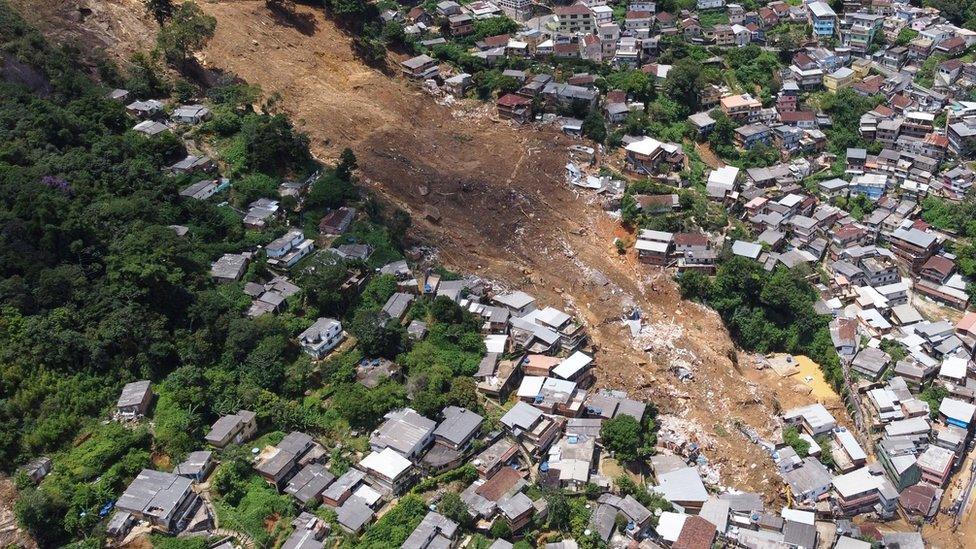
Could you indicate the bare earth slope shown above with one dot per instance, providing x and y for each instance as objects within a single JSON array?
[{"x": 507, "y": 214}]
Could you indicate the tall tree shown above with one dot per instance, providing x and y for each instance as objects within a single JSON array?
[
  {"x": 347, "y": 164},
  {"x": 683, "y": 82},
  {"x": 161, "y": 10},
  {"x": 186, "y": 32}
]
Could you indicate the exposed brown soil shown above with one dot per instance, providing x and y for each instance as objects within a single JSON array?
[
  {"x": 10, "y": 534},
  {"x": 113, "y": 28}
]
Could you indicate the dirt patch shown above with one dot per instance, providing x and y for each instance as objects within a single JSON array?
[
  {"x": 117, "y": 28},
  {"x": 271, "y": 521},
  {"x": 10, "y": 534}
]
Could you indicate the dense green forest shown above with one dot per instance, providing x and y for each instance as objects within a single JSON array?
[
  {"x": 767, "y": 311},
  {"x": 97, "y": 290}
]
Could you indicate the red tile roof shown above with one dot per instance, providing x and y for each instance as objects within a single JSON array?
[
  {"x": 697, "y": 533},
  {"x": 575, "y": 9},
  {"x": 496, "y": 487},
  {"x": 498, "y": 40},
  {"x": 512, "y": 100},
  {"x": 690, "y": 239},
  {"x": 940, "y": 264},
  {"x": 797, "y": 116}
]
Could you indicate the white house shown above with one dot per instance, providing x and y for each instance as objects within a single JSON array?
[{"x": 321, "y": 337}]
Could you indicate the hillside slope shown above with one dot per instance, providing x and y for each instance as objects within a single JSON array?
[{"x": 506, "y": 213}]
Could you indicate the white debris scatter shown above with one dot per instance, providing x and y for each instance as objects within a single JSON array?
[{"x": 683, "y": 435}]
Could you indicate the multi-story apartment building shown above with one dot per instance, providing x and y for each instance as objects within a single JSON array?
[
  {"x": 821, "y": 18},
  {"x": 575, "y": 19},
  {"x": 857, "y": 30}
]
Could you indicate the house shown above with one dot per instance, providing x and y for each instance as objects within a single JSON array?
[
  {"x": 821, "y": 18},
  {"x": 490, "y": 460},
  {"x": 191, "y": 114},
  {"x": 192, "y": 164},
  {"x": 514, "y": 107},
  {"x": 458, "y": 428},
  {"x": 196, "y": 466},
  {"x": 750, "y": 135},
  {"x": 461, "y": 24},
  {"x": 937, "y": 269},
  {"x": 574, "y": 19},
  {"x": 696, "y": 533},
  {"x": 135, "y": 399},
  {"x": 388, "y": 470},
  {"x": 397, "y": 305},
  {"x": 37, "y": 468},
  {"x": 683, "y": 487},
  {"x": 809, "y": 481},
  {"x": 165, "y": 500},
  {"x": 406, "y": 432},
  {"x": 871, "y": 363},
  {"x": 420, "y": 67},
  {"x": 118, "y": 94},
  {"x": 342, "y": 489},
  {"x": 230, "y": 267},
  {"x": 309, "y": 533},
  {"x": 653, "y": 247},
  {"x": 913, "y": 247},
  {"x": 144, "y": 109},
  {"x": 518, "y": 302},
  {"x": 645, "y": 155},
  {"x": 337, "y": 221},
  {"x": 354, "y": 514},
  {"x": 289, "y": 249},
  {"x": 434, "y": 531},
  {"x": 865, "y": 489},
  {"x": 204, "y": 189},
  {"x": 833, "y": 188},
  {"x": 150, "y": 128},
  {"x": 533, "y": 428},
  {"x": 956, "y": 412},
  {"x": 703, "y": 123},
  {"x": 935, "y": 464},
  {"x": 814, "y": 418},
  {"x": 839, "y": 79},
  {"x": 656, "y": 203},
  {"x": 321, "y": 337},
  {"x": 750, "y": 250},
  {"x": 722, "y": 182},
  {"x": 259, "y": 212},
  {"x": 279, "y": 463},
  {"x": 742, "y": 108},
  {"x": 849, "y": 451},
  {"x": 232, "y": 429}
]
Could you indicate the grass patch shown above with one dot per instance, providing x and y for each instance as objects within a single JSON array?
[
  {"x": 262, "y": 513},
  {"x": 377, "y": 236},
  {"x": 712, "y": 18}
]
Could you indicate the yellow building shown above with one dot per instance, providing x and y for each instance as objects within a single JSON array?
[
  {"x": 839, "y": 79},
  {"x": 861, "y": 67}
]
